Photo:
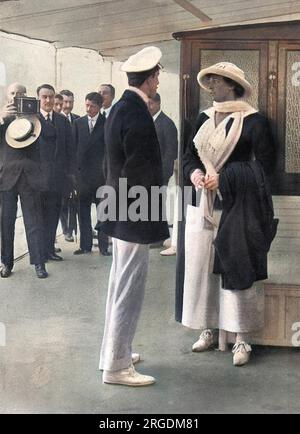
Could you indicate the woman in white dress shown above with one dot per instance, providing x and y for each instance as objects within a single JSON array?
[{"x": 225, "y": 253}]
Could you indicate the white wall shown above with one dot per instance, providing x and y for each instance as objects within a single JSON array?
[
  {"x": 27, "y": 61},
  {"x": 81, "y": 71}
]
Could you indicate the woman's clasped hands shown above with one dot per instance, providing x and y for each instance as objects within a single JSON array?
[{"x": 210, "y": 181}]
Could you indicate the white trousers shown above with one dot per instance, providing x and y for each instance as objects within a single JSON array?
[{"x": 126, "y": 291}]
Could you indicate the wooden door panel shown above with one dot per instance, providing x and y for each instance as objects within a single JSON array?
[{"x": 287, "y": 180}]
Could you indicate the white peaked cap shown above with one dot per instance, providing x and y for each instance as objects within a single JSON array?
[{"x": 144, "y": 60}]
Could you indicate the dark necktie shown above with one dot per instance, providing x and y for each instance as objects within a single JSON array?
[
  {"x": 104, "y": 114},
  {"x": 49, "y": 118}
]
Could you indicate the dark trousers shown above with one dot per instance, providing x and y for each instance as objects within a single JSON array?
[
  {"x": 51, "y": 212},
  {"x": 85, "y": 223},
  {"x": 68, "y": 216},
  {"x": 31, "y": 204}
]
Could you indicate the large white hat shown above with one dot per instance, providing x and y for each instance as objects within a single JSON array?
[
  {"x": 228, "y": 70},
  {"x": 144, "y": 60},
  {"x": 23, "y": 132}
]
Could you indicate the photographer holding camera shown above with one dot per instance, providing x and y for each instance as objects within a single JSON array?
[{"x": 20, "y": 176}]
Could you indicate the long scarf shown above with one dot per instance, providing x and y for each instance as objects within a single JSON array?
[{"x": 215, "y": 147}]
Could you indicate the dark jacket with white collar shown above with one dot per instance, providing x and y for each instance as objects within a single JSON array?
[
  {"x": 133, "y": 152},
  {"x": 56, "y": 148},
  {"x": 89, "y": 155}
]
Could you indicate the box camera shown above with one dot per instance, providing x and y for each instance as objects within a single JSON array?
[{"x": 27, "y": 105}]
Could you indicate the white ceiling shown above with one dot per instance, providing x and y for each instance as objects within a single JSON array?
[{"x": 116, "y": 27}]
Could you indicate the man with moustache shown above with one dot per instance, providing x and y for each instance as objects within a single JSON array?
[
  {"x": 132, "y": 152},
  {"x": 68, "y": 105},
  {"x": 90, "y": 151},
  {"x": 68, "y": 214},
  {"x": 56, "y": 152},
  {"x": 21, "y": 177}
]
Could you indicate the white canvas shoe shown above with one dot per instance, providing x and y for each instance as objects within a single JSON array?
[
  {"x": 136, "y": 358},
  {"x": 169, "y": 252},
  {"x": 242, "y": 352},
  {"x": 127, "y": 377},
  {"x": 168, "y": 243},
  {"x": 205, "y": 341}
]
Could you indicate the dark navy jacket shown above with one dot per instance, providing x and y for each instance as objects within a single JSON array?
[
  {"x": 89, "y": 156},
  {"x": 133, "y": 152},
  {"x": 56, "y": 150}
]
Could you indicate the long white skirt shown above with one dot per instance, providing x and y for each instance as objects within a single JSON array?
[{"x": 205, "y": 304}]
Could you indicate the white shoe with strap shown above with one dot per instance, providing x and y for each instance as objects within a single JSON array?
[
  {"x": 205, "y": 341},
  {"x": 169, "y": 252},
  {"x": 127, "y": 377},
  {"x": 242, "y": 352}
]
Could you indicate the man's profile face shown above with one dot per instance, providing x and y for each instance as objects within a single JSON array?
[
  {"x": 153, "y": 83},
  {"x": 68, "y": 104}
]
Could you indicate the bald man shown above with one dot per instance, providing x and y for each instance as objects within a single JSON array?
[{"x": 20, "y": 177}]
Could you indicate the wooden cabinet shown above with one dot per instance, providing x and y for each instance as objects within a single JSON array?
[
  {"x": 270, "y": 57},
  {"x": 282, "y": 316}
]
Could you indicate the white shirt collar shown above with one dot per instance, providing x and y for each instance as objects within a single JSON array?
[
  {"x": 67, "y": 116},
  {"x": 45, "y": 114},
  {"x": 94, "y": 119},
  {"x": 142, "y": 94},
  {"x": 106, "y": 110},
  {"x": 156, "y": 116}
]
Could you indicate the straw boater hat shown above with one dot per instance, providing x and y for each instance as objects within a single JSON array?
[
  {"x": 228, "y": 70},
  {"x": 144, "y": 60},
  {"x": 23, "y": 132}
]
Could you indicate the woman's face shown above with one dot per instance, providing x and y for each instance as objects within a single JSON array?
[{"x": 219, "y": 89}]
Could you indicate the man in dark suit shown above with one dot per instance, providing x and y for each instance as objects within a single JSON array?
[
  {"x": 21, "y": 176},
  {"x": 167, "y": 136},
  {"x": 168, "y": 141},
  {"x": 68, "y": 216},
  {"x": 90, "y": 152},
  {"x": 133, "y": 152},
  {"x": 56, "y": 147}
]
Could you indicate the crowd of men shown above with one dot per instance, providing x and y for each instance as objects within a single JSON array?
[{"x": 58, "y": 175}]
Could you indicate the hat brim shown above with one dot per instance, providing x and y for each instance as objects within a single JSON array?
[
  {"x": 213, "y": 70},
  {"x": 20, "y": 144}
]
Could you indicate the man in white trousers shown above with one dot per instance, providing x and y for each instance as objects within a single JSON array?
[{"x": 133, "y": 157}]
